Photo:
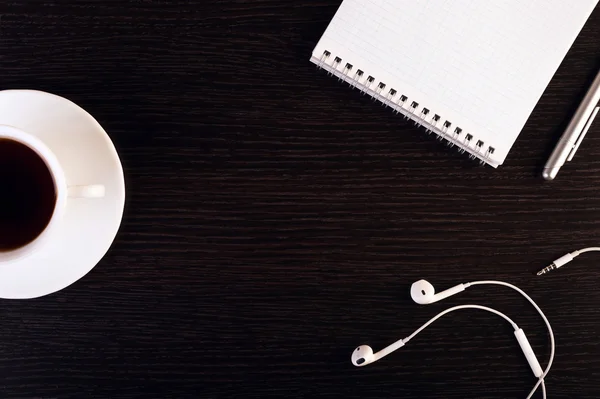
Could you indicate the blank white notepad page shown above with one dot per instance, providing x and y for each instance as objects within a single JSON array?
[{"x": 481, "y": 65}]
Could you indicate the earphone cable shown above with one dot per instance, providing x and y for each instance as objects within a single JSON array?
[
  {"x": 505, "y": 317},
  {"x": 455, "y": 308},
  {"x": 543, "y": 388},
  {"x": 550, "y": 332},
  {"x": 589, "y": 249}
]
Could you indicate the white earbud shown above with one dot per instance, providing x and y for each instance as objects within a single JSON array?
[
  {"x": 423, "y": 293},
  {"x": 362, "y": 356}
]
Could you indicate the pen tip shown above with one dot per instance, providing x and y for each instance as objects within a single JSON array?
[{"x": 550, "y": 173}]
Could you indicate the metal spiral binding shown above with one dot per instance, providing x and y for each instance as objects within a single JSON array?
[{"x": 400, "y": 103}]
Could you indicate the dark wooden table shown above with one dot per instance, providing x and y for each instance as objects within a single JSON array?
[{"x": 275, "y": 219}]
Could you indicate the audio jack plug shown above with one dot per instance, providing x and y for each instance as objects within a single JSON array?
[{"x": 563, "y": 260}]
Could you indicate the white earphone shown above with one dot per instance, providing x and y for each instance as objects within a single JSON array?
[{"x": 423, "y": 293}]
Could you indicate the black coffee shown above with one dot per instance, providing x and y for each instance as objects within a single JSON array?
[{"x": 27, "y": 195}]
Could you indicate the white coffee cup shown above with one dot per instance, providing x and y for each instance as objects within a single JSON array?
[{"x": 64, "y": 192}]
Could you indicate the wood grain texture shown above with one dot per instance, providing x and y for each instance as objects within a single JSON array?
[{"x": 276, "y": 219}]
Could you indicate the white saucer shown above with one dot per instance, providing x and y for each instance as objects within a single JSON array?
[{"x": 89, "y": 226}]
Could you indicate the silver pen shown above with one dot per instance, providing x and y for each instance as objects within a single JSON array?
[{"x": 575, "y": 132}]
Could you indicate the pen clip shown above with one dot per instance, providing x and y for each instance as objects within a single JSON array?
[{"x": 583, "y": 133}]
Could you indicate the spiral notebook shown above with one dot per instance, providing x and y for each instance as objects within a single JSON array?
[{"x": 469, "y": 71}]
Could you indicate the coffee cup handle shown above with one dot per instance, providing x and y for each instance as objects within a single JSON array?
[{"x": 89, "y": 191}]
